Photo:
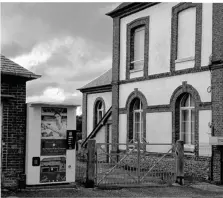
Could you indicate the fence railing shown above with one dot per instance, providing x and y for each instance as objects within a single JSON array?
[
  {"x": 81, "y": 165},
  {"x": 134, "y": 165},
  {"x": 142, "y": 163}
]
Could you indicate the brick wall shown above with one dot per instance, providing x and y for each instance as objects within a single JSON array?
[
  {"x": 217, "y": 89},
  {"x": 217, "y": 118},
  {"x": 13, "y": 129}
]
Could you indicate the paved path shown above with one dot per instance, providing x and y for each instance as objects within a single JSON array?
[{"x": 198, "y": 190}]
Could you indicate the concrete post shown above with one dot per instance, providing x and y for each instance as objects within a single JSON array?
[
  {"x": 179, "y": 162},
  {"x": 91, "y": 149}
]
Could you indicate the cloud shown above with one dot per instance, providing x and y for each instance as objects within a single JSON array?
[
  {"x": 66, "y": 62},
  {"x": 108, "y": 7},
  {"x": 23, "y": 32},
  {"x": 41, "y": 52},
  {"x": 52, "y": 94},
  {"x": 59, "y": 42}
]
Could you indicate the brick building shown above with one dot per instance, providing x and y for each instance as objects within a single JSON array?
[
  {"x": 166, "y": 81},
  {"x": 13, "y": 119}
]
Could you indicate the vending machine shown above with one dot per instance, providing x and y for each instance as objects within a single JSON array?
[{"x": 50, "y": 143}]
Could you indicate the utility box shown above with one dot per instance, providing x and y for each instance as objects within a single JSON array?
[{"x": 49, "y": 158}]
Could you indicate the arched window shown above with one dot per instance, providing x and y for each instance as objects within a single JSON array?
[
  {"x": 136, "y": 134},
  {"x": 187, "y": 120},
  {"x": 99, "y": 110}
]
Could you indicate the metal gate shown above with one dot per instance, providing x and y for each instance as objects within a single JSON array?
[{"x": 135, "y": 163}]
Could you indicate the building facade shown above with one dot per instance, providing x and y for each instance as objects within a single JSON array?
[
  {"x": 167, "y": 78},
  {"x": 13, "y": 120}
]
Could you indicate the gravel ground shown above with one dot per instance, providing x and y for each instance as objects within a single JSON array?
[{"x": 173, "y": 191}]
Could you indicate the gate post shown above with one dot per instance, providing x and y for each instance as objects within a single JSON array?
[
  {"x": 90, "y": 178},
  {"x": 179, "y": 162}
]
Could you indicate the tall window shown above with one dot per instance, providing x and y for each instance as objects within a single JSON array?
[
  {"x": 187, "y": 121},
  {"x": 137, "y": 43},
  {"x": 186, "y": 34},
  {"x": 137, "y": 112},
  {"x": 99, "y": 111}
]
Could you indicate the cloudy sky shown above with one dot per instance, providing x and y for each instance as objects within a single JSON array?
[{"x": 69, "y": 44}]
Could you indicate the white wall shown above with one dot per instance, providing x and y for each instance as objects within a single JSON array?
[
  {"x": 155, "y": 132},
  {"x": 160, "y": 38},
  {"x": 159, "y": 130},
  {"x": 100, "y": 136},
  {"x": 159, "y": 91},
  {"x": 204, "y": 131},
  {"x": 107, "y": 97}
]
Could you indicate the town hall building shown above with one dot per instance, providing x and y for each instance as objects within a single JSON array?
[{"x": 166, "y": 81}]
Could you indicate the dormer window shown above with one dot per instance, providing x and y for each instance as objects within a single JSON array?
[{"x": 137, "y": 43}]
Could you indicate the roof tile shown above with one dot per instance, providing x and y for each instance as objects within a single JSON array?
[
  {"x": 104, "y": 79},
  {"x": 12, "y": 68}
]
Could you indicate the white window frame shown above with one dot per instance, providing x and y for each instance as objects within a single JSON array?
[
  {"x": 140, "y": 111},
  {"x": 98, "y": 111},
  {"x": 187, "y": 146},
  {"x": 140, "y": 60}
]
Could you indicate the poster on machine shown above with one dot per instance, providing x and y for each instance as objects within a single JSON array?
[
  {"x": 53, "y": 131},
  {"x": 53, "y": 169}
]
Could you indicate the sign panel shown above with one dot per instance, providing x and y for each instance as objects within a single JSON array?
[
  {"x": 53, "y": 131},
  {"x": 71, "y": 139},
  {"x": 53, "y": 147},
  {"x": 53, "y": 169}
]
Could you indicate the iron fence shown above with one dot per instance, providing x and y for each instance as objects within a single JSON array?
[
  {"x": 135, "y": 164},
  {"x": 81, "y": 165}
]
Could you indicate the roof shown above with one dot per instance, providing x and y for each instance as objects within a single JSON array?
[
  {"x": 120, "y": 7},
  {"x": 11, "y": 68},
  {"x": 127, "y": 6},
  {"x": 104, "y": 79}
]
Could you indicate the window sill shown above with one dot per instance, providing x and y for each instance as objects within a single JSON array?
[
  {"x": 188, "y": 148},
  {"x": 181, "y": 60},
  {"x": 135, "y": 70}
]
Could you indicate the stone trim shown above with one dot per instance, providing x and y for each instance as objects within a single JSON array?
[
  {"x": 84, "y": 116},
  {"x": 98, "y": 99},
  {"x": 115, "y": 85},
  {"x": 122, "y": 111},
  {"x": 131, "y": 9},
  {"x": 135, "y": 94},
  {"x": 158, "y": 108},
  {"x": 167, "y": 74},
  {"x": 131, "y": 27},
  {"x": 175, "y": 103},
  {"x": 174, "y": 31},
  {"x": 98, "y": 89},
  {"x": 216, "y": 66},
  {"x": 167, "y": 108},
  {"x": 204, "y": 106}
]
